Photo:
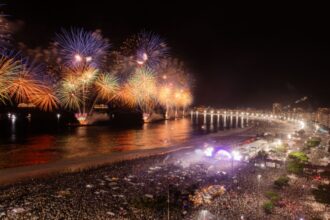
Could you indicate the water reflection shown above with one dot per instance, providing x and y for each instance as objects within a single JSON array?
[{"x": 17, "y": 149}]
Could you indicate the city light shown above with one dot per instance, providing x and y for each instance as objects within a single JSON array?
[
  {"x": 302, "y": 124},
  {"x": 278, "y": 142},
  {"x": 317, "y": 127},
  {"x": 209, "y": 151},
  {"x": 13, "y": 118},
  {"x": 223, "y": 155},
  {"x": 236, "y": 155}
]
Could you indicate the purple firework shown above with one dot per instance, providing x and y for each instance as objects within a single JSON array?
[
  {"x": 151, "y": 49},
  {"x": 80, "y": 47}
]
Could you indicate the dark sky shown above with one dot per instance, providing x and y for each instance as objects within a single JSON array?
[{"x": 240, "y": 55}]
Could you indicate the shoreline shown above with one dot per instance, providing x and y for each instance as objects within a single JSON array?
[{"x": 20, "y": 174}]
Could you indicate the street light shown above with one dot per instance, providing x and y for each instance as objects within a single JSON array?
[
  {"x": 13, "y": 118},
  {"x": 302, "y": 124},
  {"x": 209, "y": 151}
]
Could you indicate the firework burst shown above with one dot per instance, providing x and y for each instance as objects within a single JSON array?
[
  {"x": 79, "y": 47},
  {"x": 165, "y": 96},
  {"x": 106, "y": 87},
  {"x": 9, "y": 68},
  {"x": 24, "y": 88},
  {"x": 77, "y": 86},
  {"x": 141, "y": 90},
  {"x": 69, "y": 98},
  {"x": 45, "y": 100},
  {"x": 186, "y": 99},
  {"x": 173, "y": 77},
  {"x": 69, "y": 93},
  {"x": 173, "y": 71},
  {"x": 146, "y": 49},
  {"x": 151, "y": 49}
]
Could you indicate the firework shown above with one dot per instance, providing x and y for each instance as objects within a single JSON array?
[
  {"x": 165, "y": 98},
  {"x": 146, "y": 49},
  {"x": 76, "y": 88},
  {"x": 106, "y": 87},
  {"x": 82, "y": 87},
  {"x": 127, "y": 96},
  {"x": 45, "y": 100},
  {"x": 186, "y": 99},
  {"x": 9, "y": 67},
  {"x": 18, "y": 84},
  {"x": 182, "y": 99},
  {"x": 173, "y": 75},
  {"x": 178, "y": 98},
  {"x": 69, "y": 93},
  {"x": 172, "y": 71},
  {"x": 79, "y": 47},
  {"x": 87, "y": 75},
  {"x": 165, "y": 95},
  {"x": 79, "y": 78},
  {"x": 151, "y": 49},
  {"x": 69, "y": 98},
  {"x": 23, "y": 85},
  {"x": 23, "y": 89},
  {"x": 141, "y": 89}
]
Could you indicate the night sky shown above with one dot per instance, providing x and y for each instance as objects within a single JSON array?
[{"x": 240, "y": 55}]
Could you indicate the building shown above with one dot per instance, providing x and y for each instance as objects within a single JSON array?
[
  {"x": 277, "y": 108},
  {"x": 323, "y": 116}
]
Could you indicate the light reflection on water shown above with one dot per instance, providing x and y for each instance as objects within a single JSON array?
[{"x": 35, "y": 148}]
